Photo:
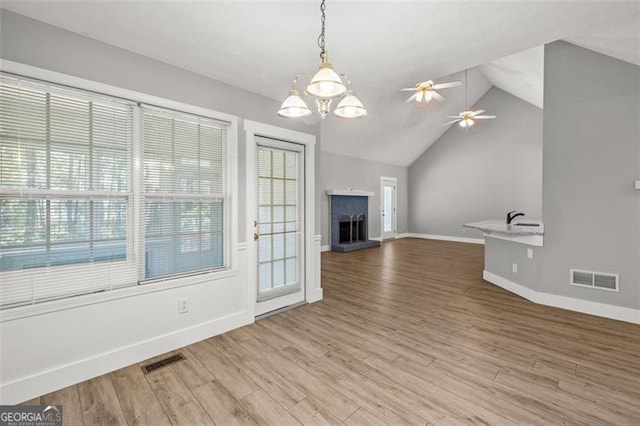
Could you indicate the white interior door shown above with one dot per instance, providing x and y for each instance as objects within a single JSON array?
[
  {"x": 388, "y": 195},
  {"x": 279, "y": 225}
]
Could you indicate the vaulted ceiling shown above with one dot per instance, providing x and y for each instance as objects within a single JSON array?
[{"x": 382, "y": 46}]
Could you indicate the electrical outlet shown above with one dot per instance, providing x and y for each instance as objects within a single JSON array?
[
  {"x": 184, "y": 305},
  {"x": 530, "y": 253},
  {"x": 514, "y": 268}
]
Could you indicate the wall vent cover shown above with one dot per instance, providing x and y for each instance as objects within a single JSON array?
[
  {"x": 154, "y": 366},
  {"x": 598, "y": 280}
]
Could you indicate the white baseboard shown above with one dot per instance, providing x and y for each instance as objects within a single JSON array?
[
  {"x": 446, "y": 238},
  {"x": 509, "y": 285},
  {"x": 47, "y": 381},
  {"x": 376, "y": 239},
  {"x": 325, "y": 248},
  {"x": 619, "y": 313},
  {"x": 404, "y": 235}
]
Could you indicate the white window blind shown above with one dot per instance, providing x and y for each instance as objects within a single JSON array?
[
  {"x": 65, "y": 198},
  {"x": 185, "y": 192}
]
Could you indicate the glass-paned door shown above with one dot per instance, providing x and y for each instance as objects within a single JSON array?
[
  {"x": 280, "y": 223},
  {"x": 388, "y": 207}
]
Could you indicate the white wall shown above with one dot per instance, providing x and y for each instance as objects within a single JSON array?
[
  {"x": 45, "y": 352},
  {"x": 42, "y": 349},
  {"x": 482, "y": 173}
]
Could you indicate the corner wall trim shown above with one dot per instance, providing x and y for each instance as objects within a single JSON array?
[
  {"x": 325, "y": 248},
  {"x": 619, "y": 313},
  {"x": 315, "y": 296},
  {"x": 445, "y": 238}
]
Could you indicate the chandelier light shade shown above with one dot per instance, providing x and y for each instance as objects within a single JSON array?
[
  {"x": 294, "y": 106},
  {"x": 325, "y": 85},
  {"x": 350, "y": 107}
]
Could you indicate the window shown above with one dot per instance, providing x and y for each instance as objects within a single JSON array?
[
  {"x": 184, "y": 192},
  {"x": 69, "y": 200}
]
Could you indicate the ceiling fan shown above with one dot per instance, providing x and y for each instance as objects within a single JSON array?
[
  {"x": 467, "y": 117},
  {"x": 426, "y": 91}
]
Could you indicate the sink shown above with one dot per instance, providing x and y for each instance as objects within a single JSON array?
[{"x": 526, "y": 224}]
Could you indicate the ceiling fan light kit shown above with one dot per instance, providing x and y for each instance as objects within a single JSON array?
[
  {"x": 427, "y": 90},
  {"x": 325, "y": 85},
  {"x": 467, "y": 118}
]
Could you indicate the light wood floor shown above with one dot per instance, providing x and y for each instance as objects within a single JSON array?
[{"x": 408, "y": 333}]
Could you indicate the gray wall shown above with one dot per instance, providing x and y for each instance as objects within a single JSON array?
[
  {"x": 591, "y": 160},
  {"x": 500, "y": 255},
  {"x": 41, "y": 45},
  {"x": 480, "y": 174},
  {"x": 341, "y": 172}
]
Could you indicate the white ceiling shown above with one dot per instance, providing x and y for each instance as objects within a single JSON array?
[
  {"x": 398, "y": 133},
  {"x": 382, "y": 46},
  {"x": 521, "y": 74}
]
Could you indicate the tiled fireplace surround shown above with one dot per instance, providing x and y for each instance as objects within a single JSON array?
[{"x": 349, "y": 222}]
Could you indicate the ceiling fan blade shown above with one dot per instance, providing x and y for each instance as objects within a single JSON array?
[
  {"x": 407, "y": 89},
  {"x": 411, "y": 98},
  {"x": 474, "y": 113},
  {"x": 484, "y": 117},
  {"x": 447, "y": 85},
  {"x": 453, "y": 116},
  {"x": 451, "y": 122},
  {"x": 437, "y": 96}
]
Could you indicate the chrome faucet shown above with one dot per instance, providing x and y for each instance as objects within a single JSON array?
[{"x": 511, "y": 216}]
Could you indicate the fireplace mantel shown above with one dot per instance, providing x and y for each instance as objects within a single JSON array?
[{"x": 350, "y": 192}]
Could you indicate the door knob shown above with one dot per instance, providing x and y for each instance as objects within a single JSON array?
[{"x": 255, "y": 236}]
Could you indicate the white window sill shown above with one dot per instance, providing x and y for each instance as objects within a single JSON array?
[{"x": 19, "y": 312}]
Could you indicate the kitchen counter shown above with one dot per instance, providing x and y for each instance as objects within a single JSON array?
[{"x": 498, "y": 228}]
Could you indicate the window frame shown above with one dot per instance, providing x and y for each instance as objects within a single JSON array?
[
  {"x": 88, "y": 195},
  {"x": 135, "y": 241},
  {"x": 145, "y": 196}
]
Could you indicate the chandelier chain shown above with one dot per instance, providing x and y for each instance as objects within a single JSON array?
[{"x": 321, "y": 36}]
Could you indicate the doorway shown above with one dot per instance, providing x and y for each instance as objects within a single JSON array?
[
  {"x": 280, "y": 217},
  {"x": 388, "y": 189},
  {"x": 279, "y": 224}
]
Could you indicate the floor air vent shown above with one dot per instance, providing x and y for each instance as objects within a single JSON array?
[
  {"x": 150, "y": 368},
  {"x": 597, "y": 280}
]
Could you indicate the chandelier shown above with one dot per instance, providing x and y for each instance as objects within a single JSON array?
[{"x": 325, "y": 85}]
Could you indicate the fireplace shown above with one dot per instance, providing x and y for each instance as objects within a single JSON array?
[
  {"x": 349, "y": 220},
  {"x": 353, "y": 228}
]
